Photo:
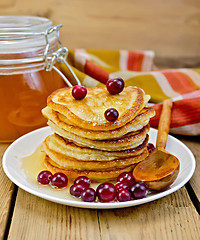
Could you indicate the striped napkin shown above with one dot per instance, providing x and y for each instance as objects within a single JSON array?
[{"x": 95, "y": 67}]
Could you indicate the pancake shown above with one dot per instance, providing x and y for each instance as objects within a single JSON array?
[
  {"x": 88, "y": 113},
  {"x": 58, "y": 144},
  {"x": 68, "y": 163},
  {"x": 130, "y": 140},
  {"x": 136, "y": 124},
  {"x": 95, "y": 176},
  {"x": 84, "y": 143}
]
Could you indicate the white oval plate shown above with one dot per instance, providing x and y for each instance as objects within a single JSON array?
[{"x": 27, "y": 144}]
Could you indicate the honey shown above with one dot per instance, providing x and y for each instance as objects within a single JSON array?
[
  {"x": 32, "y": 165},
  {"x": 22, "y": 96}
]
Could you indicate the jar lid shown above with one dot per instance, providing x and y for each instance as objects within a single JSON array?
[
  {"x": 31, "y": 40},
  {"x": 23, "y": 24},
  {"x": 22, "y": 39}
]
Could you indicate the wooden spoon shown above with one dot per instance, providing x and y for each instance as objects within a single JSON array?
[{"x": 161, "y": 168}]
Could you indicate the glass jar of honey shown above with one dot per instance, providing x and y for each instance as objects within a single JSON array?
[{"x": 24, "y": 82}]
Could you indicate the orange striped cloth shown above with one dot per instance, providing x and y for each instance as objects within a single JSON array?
[{"x": 95, "y": 67}]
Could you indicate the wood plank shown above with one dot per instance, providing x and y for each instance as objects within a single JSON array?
[
  {"x": 170, "y": 28},
  {"x": 36, "y": 218},
  {"x": 6, "y": 191},
  {"x": 193, "y": 143},
  {"x": 172, "y": 217}
]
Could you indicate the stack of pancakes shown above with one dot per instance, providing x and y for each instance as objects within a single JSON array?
[{"x": 85, "y": 143}]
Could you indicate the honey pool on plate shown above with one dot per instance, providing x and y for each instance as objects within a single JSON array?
[{"x": 32, "y": 165}]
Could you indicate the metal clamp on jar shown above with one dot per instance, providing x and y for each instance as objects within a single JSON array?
[{"x": 30, "y": 49}]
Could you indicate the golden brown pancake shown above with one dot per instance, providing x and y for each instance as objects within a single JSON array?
[
  {"x": 130, "y": 140},
  {"x": 95, "y": 176},
  {"x": 88, "y": 113},
  {"x": 68, "y": 163},
  {"x": 136, "y": 124},
  {"x": 58, "y": 144},
  {"x": 84, "y": 143}
]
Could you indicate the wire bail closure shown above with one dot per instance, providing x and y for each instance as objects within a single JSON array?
[{"x": 59, "y": 56}]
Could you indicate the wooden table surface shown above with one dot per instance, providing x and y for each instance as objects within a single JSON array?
[{"x": 171, "y": 29}]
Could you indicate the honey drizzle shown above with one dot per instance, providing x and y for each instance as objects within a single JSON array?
[{"x": 32, "y": 165}]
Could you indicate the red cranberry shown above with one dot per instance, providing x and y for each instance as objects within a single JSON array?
[
  {"x": 115, "y": 85},
  {"x": 83, "y": 180},
  {"x": 138, "y": 190},
  {"x": 121, "y": 185},
  {"x": 79, "y": 92},
  {"x": 77, "y": 189},
  {"x": 88, "y": 195},
  {"x": 111, "y": 114},
  {"x": 150, "y": 147},
  {"x": 126, "y": 177},
  {"x": 123, "y": 195},
  {"x": 106, "y": 192},
  {"x": 44, "y": 177},
  {"x": 59, "y": 180}
]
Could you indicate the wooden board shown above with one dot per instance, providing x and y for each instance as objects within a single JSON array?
[
  {"x": 170, "y": 28},
  {"x": 35, "y": 218},
  {"x": 193, "y": 143},
  {"x": 6, "y": 192},
  {"x": 172, "y": 217}
]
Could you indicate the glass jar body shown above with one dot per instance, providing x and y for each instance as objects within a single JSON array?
[
  {"x": 24, "y": 83},
  {"x": 22, "y": 96}
]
